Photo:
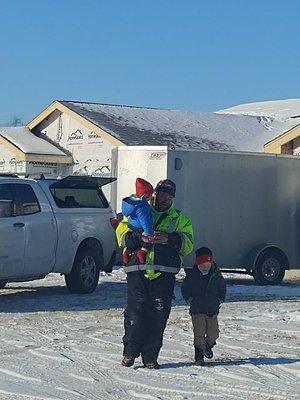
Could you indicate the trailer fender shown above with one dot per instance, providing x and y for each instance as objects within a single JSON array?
[
  {"x": 255, "y": 252},
  {"x": 267, "y": 264}
]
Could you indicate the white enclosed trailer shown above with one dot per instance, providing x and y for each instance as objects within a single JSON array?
[
  {"x": 244, "y": 206},
  {"x": 130, "y": 162}
]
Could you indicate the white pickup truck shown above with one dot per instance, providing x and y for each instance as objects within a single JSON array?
[{"x": 61, "y": 225}]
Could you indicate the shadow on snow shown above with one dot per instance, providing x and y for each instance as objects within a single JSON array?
[
  {"x": 237, "y": 361},
  {"x": 23, "y": 298}
]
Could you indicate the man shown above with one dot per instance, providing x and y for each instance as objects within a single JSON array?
[{"x": 150, "y": 285}]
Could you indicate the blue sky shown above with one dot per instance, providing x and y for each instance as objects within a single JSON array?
[{"x": 192, "y": 54}]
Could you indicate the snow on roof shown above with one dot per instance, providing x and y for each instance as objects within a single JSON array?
[
  {"x": 138, "y": 126},
  {"x": 27, "y": 142},
  {"x": 289, "y": 108}
]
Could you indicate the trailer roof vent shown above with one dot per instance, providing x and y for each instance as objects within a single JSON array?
[{"x": 178, "y": 164}]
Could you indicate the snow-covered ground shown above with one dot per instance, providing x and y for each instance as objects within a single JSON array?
[{"x": 55, "y": 345}]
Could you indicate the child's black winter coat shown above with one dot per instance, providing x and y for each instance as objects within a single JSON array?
[{"x": 204, "y": 293}]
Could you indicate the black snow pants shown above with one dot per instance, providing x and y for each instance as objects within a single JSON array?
[{"x": 145, "y": 317}]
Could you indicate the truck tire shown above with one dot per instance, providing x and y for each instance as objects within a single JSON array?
[
  {"x": 2, "y": 283},
  {"x": 270, "y": 267},
  {"x": 84, "y": 276}
]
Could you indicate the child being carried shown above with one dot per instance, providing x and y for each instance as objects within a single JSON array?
[{"x": 137, "y": 208}]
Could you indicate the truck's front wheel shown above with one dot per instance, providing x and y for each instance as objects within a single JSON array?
[
  {"x": 84, "y": 276},
  {"x": 269, "y": 268}
]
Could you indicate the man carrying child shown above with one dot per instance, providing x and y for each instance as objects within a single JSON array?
[{"x": 150, "y": 284}]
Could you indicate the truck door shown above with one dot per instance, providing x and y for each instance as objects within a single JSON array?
[
  {"x": 12, "y": 235},
  {"x": 40, "y": 230}
]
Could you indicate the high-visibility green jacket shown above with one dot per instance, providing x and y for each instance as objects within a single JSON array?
[{"x": 160, "y": 257}]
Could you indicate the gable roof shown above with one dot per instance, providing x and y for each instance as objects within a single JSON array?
[
  {"x": 141, "y": 126},
  {"x": 288, "y": 108},
  {"x": 27, "y": 142},
  {"x": 183, "y": 129}
]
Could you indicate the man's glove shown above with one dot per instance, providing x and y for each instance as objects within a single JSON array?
[{"x": 160, "y": 238}]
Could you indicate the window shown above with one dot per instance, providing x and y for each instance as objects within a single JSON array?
[
  {"x": 78, "y": 197},
  {"x": 6, "y": 201},
  {"x": 27, "y": 200}
]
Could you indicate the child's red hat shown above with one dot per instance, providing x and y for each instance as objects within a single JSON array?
[
  {"x": 203, "y": 255},
  {"x": 143, "y": 188}
]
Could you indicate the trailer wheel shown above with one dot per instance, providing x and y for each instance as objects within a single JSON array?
[
  {"x": 84, "y": 276},
  {"x": 2, "y": 283},
  {"x": 270, "y": 267}
]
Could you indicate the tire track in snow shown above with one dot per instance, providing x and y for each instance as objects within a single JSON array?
[
  {"x": 286, "y": 375},
  {"x": 143, "y": 396},
  {"x": 17, "y": 375},
  {"x": 254, "y": 391},
  {"x": 21, "y": 396},
  {"x": 109, "y": 342},
  {"x": 60, "y": 357},
  {"x": 17, "y": 351},
  {"x": 82, "y": 378},
  {"x": 157, "y": 389},
  {"x": 103, "y": 380},
  {"x": 237, "y": 390},
  {"x": 20, "y": 391},
  {"x": 263, "y": 379},
  {"x": 231, "y": 390},
  {"x": 281, "y": 345},
  {"x": 72, "y": 392},
  {"x": 271, "y": 374}
]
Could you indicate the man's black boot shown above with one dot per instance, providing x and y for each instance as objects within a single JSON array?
[
  {"x": 199, "y": 356},
  {"x": 151, "y": 365},
  {"x": 128, "y": 361},
  {"x": 208, "y": 351}
]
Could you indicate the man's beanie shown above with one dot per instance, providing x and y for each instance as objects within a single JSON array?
[
  {"x": 203, "y": 254},
  {"x": 143, "y": 188},
  {"x": 166, "y": 186}
]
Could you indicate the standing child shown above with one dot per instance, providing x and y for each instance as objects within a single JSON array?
[
  {"x": 137, "y": 208},
  {"x": 204, "y": 289}
]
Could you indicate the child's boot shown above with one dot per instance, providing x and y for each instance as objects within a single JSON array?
[
  {"x": 126, "y": 256},
  {"x": 199, "y": 356},
  {"x": 141, "y": 255},
  {"x": 208, "y": 351}
]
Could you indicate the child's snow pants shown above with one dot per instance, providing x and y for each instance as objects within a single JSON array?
[{"x": 206, "y": 330}]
